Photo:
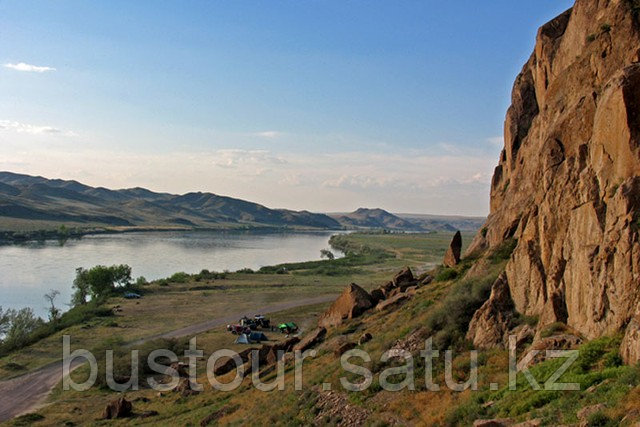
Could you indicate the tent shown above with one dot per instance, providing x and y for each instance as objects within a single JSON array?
[
  {"x": 243, "y": 339},
  {"x": 258, "y": 337}
]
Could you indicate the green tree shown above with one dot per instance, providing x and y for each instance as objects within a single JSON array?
[
  {"x": 54, "y": 312},
  {"x": 326, "y": 253},
  {"x": 80, "y": 287},
  {"x": 21, "y": 324},
  {"x": 121, "y": 274}
]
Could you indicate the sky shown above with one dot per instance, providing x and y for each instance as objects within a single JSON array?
[{"x": 324, "y": 105}]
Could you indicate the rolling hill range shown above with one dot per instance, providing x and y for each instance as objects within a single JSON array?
[{"x": 30, "y": 203}]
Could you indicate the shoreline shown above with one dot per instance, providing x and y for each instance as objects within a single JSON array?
[{"x": 8, "y": 238}]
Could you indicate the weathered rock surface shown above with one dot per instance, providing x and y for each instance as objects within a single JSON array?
[
  {"x": 452, "y": 256},
  {"x": 120, "y": 408},
  {"x": 311, "y": 339},
  {"x": 491, "y": 322},
  {"x": 630, "y": 348},
  {"x": 352, "y": 303},
  {"x": 365, "y": 338},
  {"x": 393, "y": 301},
  {"x": 556, "y": 342},
  {"x": 567, "y": 185},
  {"x": 404, "y": 277}
]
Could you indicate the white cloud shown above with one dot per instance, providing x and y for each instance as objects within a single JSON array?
[
  {"x": 400, "y": 181},
  {"x": 8, "y": 125},
  {"x": 22, "y": 66},
  {"x": 267, "y": 134}
]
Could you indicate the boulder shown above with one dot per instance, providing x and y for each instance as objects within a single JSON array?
[
  {"x": 392, "y": 302},
  {"x": 491, "y": 322},
  {"x": 452, "y": 256},
  {"x": 311, "y": 339},
  {"x": 342, "y": 348},
  {"x": 365, "y": 338},
  {"x": 226, "y": 365},
  {"x": 377, "y": 295},
  {"x": 184, "y": 388},
  {"x": 119, "y": 408},
  {"x": 427, "y": 280},
  {"x": 352, "y": 303},
  {"x": 404, "y": 277},
  {"x": 181, "y": 368}
]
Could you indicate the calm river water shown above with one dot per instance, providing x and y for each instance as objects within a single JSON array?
[{"x": 30, "y": 270}]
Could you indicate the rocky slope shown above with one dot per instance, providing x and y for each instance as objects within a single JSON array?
[{"x": 567, "y": 186}]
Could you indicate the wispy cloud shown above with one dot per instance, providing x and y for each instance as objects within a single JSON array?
[
  {"x": 27, "y": 128},
  {"x": 268, "y": 134},
  {"x": 30, "y": 68}
]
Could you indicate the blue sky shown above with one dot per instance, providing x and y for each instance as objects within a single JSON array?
[{"x": 321, "y": 105}]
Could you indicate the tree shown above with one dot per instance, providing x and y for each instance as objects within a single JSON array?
[
  {"x": 5, "y": 323},
  {"x": 21, "y": 324},
  {"x": 326, "y": 253},
  {"x": 81, "y": 287},
  {"x": 54, "y": 312},
  {"x": 121, "y": 274},
  {"x": 99, "y": 282}
]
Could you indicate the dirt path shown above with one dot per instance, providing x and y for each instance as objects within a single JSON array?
[{"x": 29, "y": 391}]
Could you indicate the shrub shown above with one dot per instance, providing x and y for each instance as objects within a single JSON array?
[
  {"x": 27, "y": 419},
  {"x": 446, "y": 274},
  {"x": 591, "y": 38},
  {"x": 599, "y": 419},
  {"x": 245, "y": 271},
  {"x": 180, "y": 277},
  {"x": 503, "y": 251},
  {"x": 605, "y": 28}
]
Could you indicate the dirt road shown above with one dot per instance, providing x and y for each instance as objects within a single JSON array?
[{"x": 29, "y": 391}]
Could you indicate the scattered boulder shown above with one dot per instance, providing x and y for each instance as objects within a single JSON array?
[
  {"x": 226, "y": 365},
  {"x": 377, "y": 295},
  {"x": 334, "y": 408},
  {"x": 412, "y": 343},
  {"x": 365, "y": 338},
  {"x": 491, "y": 322},
  {"x": 391, "y": 302},
  {"x": 184, "y": 388},
  {"x": 181, "y": 368},
  {"x": 352, "y": 303},
  {"x": 452, "y": 256},
  {"x": 427, "y": 280},
  {"x": 311, "y": 339},
  {"x": 411, "y": 290},
  {"x": 342, "y": 348},
  {"x": 148, "y": 414},
  {"x": 403, "y": 278},
  {"x": 120, "y": 408}
]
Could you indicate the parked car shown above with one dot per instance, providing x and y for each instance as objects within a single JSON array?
[
  {"x": 238, "y": 329},
  {"x": 262, "y": 321},
  {"x": 288, "y": 328},
  {"x": 132, "y": 295}
]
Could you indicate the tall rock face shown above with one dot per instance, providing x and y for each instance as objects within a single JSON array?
[{"x": 567, "y": 186}]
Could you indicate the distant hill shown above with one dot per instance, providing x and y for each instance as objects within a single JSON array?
[
  {"x": 32, "y": 202},
  {"x": 380, "y": 219}
]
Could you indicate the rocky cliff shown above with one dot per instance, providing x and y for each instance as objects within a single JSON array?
[{"x": 567, "y": 186}]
